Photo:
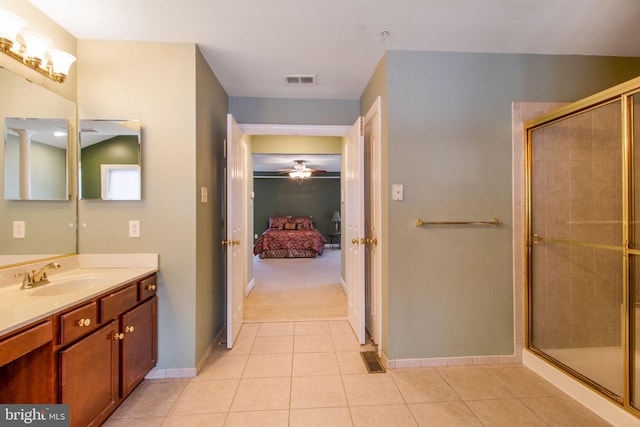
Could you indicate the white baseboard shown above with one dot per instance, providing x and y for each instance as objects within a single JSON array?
[
  {"x": 452, "y": 361},
  {"x": 156, "y": 374},
  {"x": 344, "y": 285},
  {"x": 250, "y": 286}
]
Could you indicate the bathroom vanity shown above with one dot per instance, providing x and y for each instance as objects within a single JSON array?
[{"x": 86, "y": 339}]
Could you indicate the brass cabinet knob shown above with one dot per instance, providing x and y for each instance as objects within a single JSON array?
[
  {"x": 117, "y": 336},
  {"x": 128, "y": 329},
  {"x": 83, "y": 322},
  {"x": 151, "y": 287}
]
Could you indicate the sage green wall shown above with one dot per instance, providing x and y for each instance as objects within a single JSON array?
[
  {"x": 316, "y": 197},
  {"x": 450, "y": 289},
  {"x": 211, "y": 132},
  {"x": 158, "y": 88},
  {"x": 121, "y": 150}
]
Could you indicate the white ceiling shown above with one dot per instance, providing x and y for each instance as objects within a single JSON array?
[{"x": 252, "y": 44}]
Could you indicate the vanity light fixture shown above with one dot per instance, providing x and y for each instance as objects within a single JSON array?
[{"x": 34, "y": 50}]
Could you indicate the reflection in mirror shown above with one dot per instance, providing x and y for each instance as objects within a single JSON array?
[
  {"x": 49, "y": 225},
  {"x": 36, "y": 159},
  {"x": 110, "y": 167}
]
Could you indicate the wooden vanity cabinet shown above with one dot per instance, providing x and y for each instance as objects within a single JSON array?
[
  {"x": 89, "y": 376},
  {"x": 100, "y": 369},
  {"x": 27, "y": 371}
]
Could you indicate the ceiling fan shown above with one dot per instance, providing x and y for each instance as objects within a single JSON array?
[{"x": 300, "y": 170}]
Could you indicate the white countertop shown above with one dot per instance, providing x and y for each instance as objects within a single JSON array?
[{"x": 20, "y": 307}]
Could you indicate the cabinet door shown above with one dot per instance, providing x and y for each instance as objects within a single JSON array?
[
  {"x": 139, "y": 346},
  {"x": 89, "y": 376}
]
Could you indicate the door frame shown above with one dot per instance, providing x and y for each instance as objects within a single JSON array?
[{"x": 329, "y": 130}]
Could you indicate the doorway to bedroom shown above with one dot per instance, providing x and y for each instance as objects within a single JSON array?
[{"x": 305, "y": 282}]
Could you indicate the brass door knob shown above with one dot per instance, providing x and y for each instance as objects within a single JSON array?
[
  {"x": 128, "y": 329},
  {"x": 354, "y": 241},
  {"x": 223, "y": 243}
]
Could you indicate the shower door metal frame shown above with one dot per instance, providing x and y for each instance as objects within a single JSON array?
[{"x": 623, "y": 93}]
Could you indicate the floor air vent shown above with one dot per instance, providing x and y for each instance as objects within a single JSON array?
[{"x": 372, "y": 362}]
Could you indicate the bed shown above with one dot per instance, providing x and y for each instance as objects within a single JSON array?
[{"x": 290, "y": 237}]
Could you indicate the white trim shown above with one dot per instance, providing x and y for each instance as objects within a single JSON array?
[
  {"x": 250, "y": 286},
  {"x": 302, "y": 130},
  {"x": 600, "y": 405},
  {"x": 156, "y": 374},
  {"x": 343, "y": 284},
  {"x": 450, "y": 361}
]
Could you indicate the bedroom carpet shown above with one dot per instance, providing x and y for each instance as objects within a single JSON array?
[{"x": 296, "y": 288}]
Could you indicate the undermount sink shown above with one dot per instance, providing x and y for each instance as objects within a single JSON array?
[{"x": 67, "y": 285}]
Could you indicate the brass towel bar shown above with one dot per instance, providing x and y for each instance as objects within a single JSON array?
[{"x": 494, "y": 222}]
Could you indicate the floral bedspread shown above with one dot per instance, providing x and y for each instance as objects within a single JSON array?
[{"x": 273, "y": 239}]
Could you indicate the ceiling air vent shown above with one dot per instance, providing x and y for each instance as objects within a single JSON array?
[{"x": 300, "y": 79}]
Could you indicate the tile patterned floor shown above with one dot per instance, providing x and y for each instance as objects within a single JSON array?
[{"x": 311, "y": 374}]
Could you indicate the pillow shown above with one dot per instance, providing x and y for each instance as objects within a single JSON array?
[
  {"x": 289, "y": 226},
  {"x": 303, "y": 222},
  {"x": 278, "y": 221}
]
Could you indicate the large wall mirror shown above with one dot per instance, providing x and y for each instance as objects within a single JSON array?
[
  {"x": 110, "y": 161},
  {"x": 48, "y": 216}
]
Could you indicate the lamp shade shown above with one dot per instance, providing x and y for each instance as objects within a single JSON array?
[
  {"x": 35, "y": 45},
  {"x": 10, "y": 24},
  {"x": 60, "y": 61},
  {"x": 336, "y": 217}
]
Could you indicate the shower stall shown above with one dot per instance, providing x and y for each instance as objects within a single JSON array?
[{"x": 583, "y": 241}]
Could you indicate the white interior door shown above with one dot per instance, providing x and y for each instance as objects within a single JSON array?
[
  {"x": 373, "y": 222},
  {"x": 235, "y": 241},
  {"x": 354, "y": 238}
]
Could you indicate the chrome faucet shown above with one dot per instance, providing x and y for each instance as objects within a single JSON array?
[{"x": 32, "y": 278}]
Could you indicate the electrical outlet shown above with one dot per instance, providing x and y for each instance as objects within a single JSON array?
[
  {"x": 134, "y": 228},
  {"x": 18, "y": 230},
  {"x": 397, "y": 192}
]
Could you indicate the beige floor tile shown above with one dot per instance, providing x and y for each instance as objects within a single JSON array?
[
  {"x": 249, "y": 329},
  {"x": 346, "y": 343},
  {"x": 262, "y": 394},
  {"x": 242, "y": 345},
  {"x": 422, "y": 385},
  {"x": 444, "y": 414},
  {"x": 523, "y": 382},
  {"x": 306, "y": 364},
  {"x": 258, "y": 418},
  {"x": 371, "y": 389},
  {"x": 152, "y": 398},
  {"x": 205, "y": 397},
  {"x": 223, "y": 366},
  {"x": 317, "y": 392},
  {"x": 382, "y": 416},
  {"x": 320, "y": 417},
  {"x": 268, "y": 365},
  {"x": 276, "y": 329},
  {"x": 134, "y": 422},
  {"x": 195, "y": 420},
  {"x": 474, "y": 383},
  {"x": 504, "y": 413},
  {"x": 273, "y": 345},
  {"x": 563, "y": 411},
  {"x": 340, "y": 327},
  {"x": 312, "y": 328},
  {"x": 313, "y": 344},
  {"x": 350, "y": 362}
]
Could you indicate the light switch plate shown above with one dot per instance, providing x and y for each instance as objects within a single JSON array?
[
  {"x": 134, "y": 228},
  {"x": 397, "y": 192},
  {"x": 18, "y": 230}
]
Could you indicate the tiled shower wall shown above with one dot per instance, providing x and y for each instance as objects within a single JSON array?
[{"x": 577, "y": 197}]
